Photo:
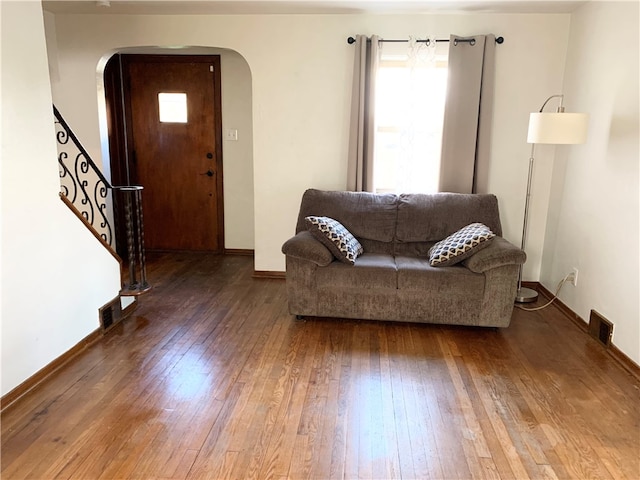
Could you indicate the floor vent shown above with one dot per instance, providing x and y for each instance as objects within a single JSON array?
[
  {"x": 107, "y": 317},
  {"x": 600, "y": 328},
  {"x": 110, "y": 314}
]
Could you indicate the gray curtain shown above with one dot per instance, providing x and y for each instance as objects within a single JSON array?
[
  {"x": 362, "y": 128},
  {"x": 468, "y": 113}
]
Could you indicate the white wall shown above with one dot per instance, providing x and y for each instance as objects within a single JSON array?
[
  {"x": 55, "y": 275},
  {"x": 301, "y": 67},
  {"x": 237, "y": 114},
  {"x": 594, "y": 211}
]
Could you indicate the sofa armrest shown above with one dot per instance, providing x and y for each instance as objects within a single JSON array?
[
  {"x": 304, "y": 247},
  {"x": 499, "y": 253}
]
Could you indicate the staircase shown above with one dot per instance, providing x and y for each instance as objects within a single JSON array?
[{"x": 97, "y": 203}]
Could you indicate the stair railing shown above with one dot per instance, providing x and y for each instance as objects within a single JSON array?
[
  {"x": 86, "y": 190},
  {"x": 81, "y": 181},
  {"x": 132, "y": 196}
]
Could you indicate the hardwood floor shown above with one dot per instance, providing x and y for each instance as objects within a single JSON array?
[{"x": 212, "y": 378}]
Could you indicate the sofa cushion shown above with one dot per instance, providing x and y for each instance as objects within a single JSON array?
[
  {"x": 430, "y": 218},
  {"x": 365, "y": 215},
  {"x": 412, "y": 249},
  {"x": 415, "y": 274},
  {"x": 344, "y": 246},
  {"x": 460, "y": 245},
  {"x": 371, "y": 271}
]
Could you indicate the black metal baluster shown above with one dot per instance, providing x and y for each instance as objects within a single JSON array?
[
  {"x": 143, "y": 268},
  {"x": 131, "y": 256},
  {"x": 82, "y": 174}
]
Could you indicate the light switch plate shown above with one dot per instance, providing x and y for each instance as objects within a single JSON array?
[{"x": 231, "y": 134}]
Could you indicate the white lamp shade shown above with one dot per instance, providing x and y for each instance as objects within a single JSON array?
[{"x": 558, "y": 128}]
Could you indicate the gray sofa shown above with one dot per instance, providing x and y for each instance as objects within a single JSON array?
[{"x": 392, "y": 279}]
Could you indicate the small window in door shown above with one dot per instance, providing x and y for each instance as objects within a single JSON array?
[{"x": 172, "y": 107}]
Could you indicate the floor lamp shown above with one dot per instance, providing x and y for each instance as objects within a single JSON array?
[{"x": 557, "y": 128}]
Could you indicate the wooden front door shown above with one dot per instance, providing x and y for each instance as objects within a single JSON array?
[{"x": 172, "y": 109}]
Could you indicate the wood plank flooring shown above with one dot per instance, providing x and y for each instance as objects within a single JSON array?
[{"x": 211, "y": 378}]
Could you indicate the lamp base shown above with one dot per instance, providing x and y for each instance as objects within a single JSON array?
[{"x": 526, "y": 295}]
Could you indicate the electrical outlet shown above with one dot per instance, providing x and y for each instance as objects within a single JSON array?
[{"x": 574, "y": 277}]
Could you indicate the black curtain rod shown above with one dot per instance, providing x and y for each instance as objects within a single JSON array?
[{"x": 472, "y": 41}]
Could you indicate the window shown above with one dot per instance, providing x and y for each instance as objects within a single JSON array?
[
  {"x": 172, "y": 107},
  {"x": 411, "y": 89}
]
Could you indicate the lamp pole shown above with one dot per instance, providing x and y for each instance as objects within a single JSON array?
[{"x": 526, "y": 295}]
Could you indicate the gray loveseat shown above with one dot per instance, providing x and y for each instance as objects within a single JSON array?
[{"x": 392, "y": 279}]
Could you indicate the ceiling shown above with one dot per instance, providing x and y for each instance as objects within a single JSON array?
[{"x": 242, "y": 7}]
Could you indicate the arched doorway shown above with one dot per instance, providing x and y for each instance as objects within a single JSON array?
[{"x": 238, "y": 154}]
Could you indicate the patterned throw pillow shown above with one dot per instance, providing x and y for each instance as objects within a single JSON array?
[
  {"x": 344, "y": 246},
  {"x": 460, "y": 245}
]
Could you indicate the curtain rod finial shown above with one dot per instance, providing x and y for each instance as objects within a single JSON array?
[{"x": 351, "y": 40}]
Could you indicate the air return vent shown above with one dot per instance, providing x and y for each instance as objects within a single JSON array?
[
  {"x": 600, "y": 328},
  {"x": 107, "y": 317},
  {"x": 110, "y": 314}
]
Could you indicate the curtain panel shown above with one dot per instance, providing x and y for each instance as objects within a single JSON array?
[
  {"x": 362, "y": 127},
  {"x": 468, "y": 113}
]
